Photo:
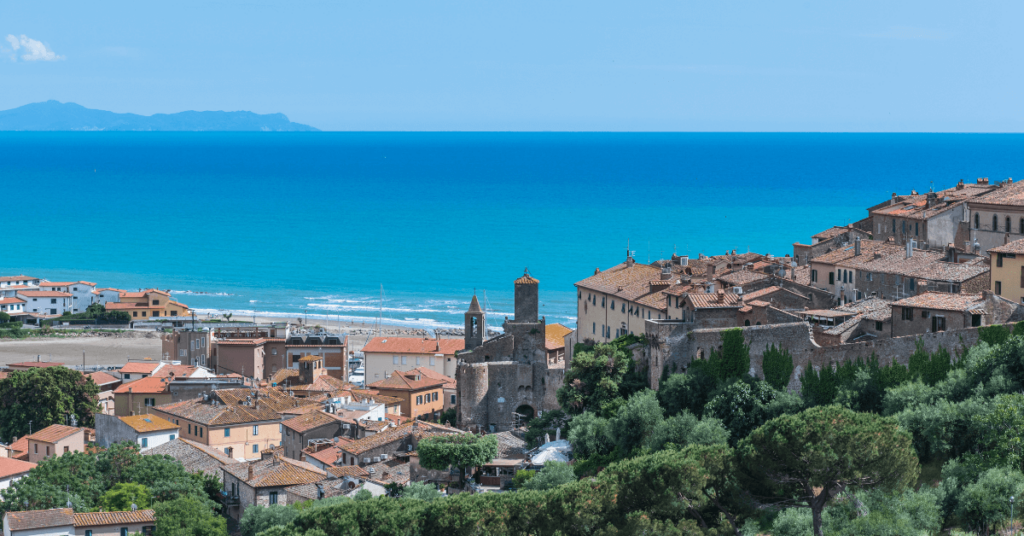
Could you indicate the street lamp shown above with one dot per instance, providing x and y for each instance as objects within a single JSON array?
[{"x": 1011, "y": 515}]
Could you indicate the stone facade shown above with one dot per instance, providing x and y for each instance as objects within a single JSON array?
[{"x": 509, "y": 373}]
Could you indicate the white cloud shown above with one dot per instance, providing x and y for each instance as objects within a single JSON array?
[{"x": 33, "y": 50}]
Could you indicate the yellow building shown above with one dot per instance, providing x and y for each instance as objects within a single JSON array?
[
  {"x": 239, "y": 431},
  {"x": 1007, "y": 263},
  {"x": 150, "y": 303}
]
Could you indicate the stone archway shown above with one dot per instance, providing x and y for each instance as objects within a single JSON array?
[{"x": 526, "y": 411}]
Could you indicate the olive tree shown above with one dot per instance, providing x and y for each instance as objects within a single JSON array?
[{"x": 458, "y": 450}]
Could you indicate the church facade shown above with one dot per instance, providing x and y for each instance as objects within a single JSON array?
[{"x": 510, "y": 374}]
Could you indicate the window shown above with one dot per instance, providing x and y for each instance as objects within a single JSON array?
[
  {"x": 273, "y": 497},
  {"x": 925, "y": 314},
  {"x": 124, "y": 531},
  {"x": 255, "y": 429},
  {"x": 227, "y": 432},
  {"x": 135, "y": 313},
  {"x": 938, "y": 323},
  {"x": 151, "y": 402},
  {"x": 394, "y": 360},
  {"x": 418, "y": 361},
  {"x": 870, "y": 276},
  {"x": 999, "y": 260},
  {"x": 127, "y": 376},
  {"x": 913, "y": 283},
  {"x": 53, "y": 300},
  {"x": 47, "y": 451},
  {"x": 977, "y": 221},
  {"x": 1007, "y": 224},
  {"x": 453, "y": 396},
  {"x": 995, "y": 223},
  {"x": 908, "y": 313},
  {"x": 435, "y": 397},
  {"x": 999, "y": 288},
  {"x": 975, "y": 320},
  {"x": 143, "y": 314},
  {"x": 190, "y": 429},
  {"x": 814, "y": 276},
  {"x": 419, "y": 400},
  {"x": 915, "y": 228},
  {"x": 88, "y": 533},
  {"x": 404, "y": 360},
  {"x": 878, "y": 325},
  {"x": 200, "y": 431},
  {"x": 145, "y": 442},
  {"x": 255, "y": 449},
  {"x": 181, "y": 352},
  {"x": 1022, "y": 277},
  {"x": 172, "y": 437},
  {"x": 431, "y": 360},
  {"x": 37, "y": 448},
  {"x": 156, "y": 302},
  {"x": 831, "y": 278}
]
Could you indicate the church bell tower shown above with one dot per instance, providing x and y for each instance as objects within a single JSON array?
[{"x": 476, "y": 325}]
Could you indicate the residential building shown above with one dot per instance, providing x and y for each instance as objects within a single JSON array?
[
  {"x": 46, "y": 302},
  {"x": 554, "y": 342},
  {"x": 620, "y": 299},
  {"x": 260, "y": 352},
  {"x": 146, "y": 304},
  {"x": 1007, "y": 264},
  {"x": 829, "y": 240},
  {"x": 21, "y": 281},
  {"x": 996, "y": 217},
  {"x": 262, "y": 482},
  {"x": 933, "y": 312},
  {"x": 421, "y": 395},
  {"x": 28, "y": 365},
  {"x": 146, "y": 431},
  {"x": 81, "y": 292},
  {"x": 933, "y": 220},
  {"x": 240, "y": 430},
  {"x": 388, "y": 443},
  {"x": 55, "y": 440},
  {"x": 136, "y": 397},
  {"x": 386, "y": 355},
  {"x": 867, "y": 319},
  {"x": 450, "y": 387},
  {"x": 299, "y": 431},
  {"x": 103, "y": 296},
  {"x": 105, "y": 381},
  {"x": 115, "y": 523},
  {"x": 193, "y": 347},
  {"x": 194, "y": 457},
  {"x": 12, "y": 470},
  {"x": 12, "y": 306},
  {"x": 54, "y": 522},
  {"x": 136, "y": 370}
]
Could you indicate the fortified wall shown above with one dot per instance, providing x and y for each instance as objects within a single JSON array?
[{"x": 675, "y": 346}]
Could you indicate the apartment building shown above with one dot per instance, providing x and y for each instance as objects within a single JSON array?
[
  {"x": 1007, "y": 263},
  {"x": 933, "y": 219},
  {"x": 996, "y": 217},
  {"x": 81, "y": 292},
  {"x": 55, "y": 440},
  {"x": 149, "y": 303},
  {"x": 240, "y": 431},
  {"x": 384, "y": 356},
  {"x": 421, "y": 395},
  {"x": 45, "y": 302}
]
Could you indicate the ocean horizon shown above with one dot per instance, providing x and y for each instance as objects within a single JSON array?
[{"x": 289, "y": 224}]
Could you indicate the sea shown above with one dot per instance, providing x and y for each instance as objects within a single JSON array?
[{"x": 350, "y": 226}]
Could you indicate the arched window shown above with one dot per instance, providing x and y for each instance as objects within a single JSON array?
[
  {"x": 995, "y": 223},
  {"x": 977, "y": 221},
  {"x": 746, "y": 322},
  {"x": 1007, "y": 224}
]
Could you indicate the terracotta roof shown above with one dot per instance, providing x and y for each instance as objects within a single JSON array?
[
  {"x": 310, "y": 358},
  {"x": 950, "y": 271},
  {"x": 119, "y": 291},
  {"x": 322, "y": 383},
  {"x": 449, "y": 383},
  {"x": 241, "y": 342},
  {"x": 915, "y": 206},
  {"x": 6, "y": 301},
  {"x": 510, "y": 446},
  {"x": 57, "y": 283},
  {"x": 867, "y": 249},
  {"x": 275, "y": 472},
  {"x": 17, "y": 278},
  {"x": 374, "y": 396},
  {"x": 54, "y": 433},
  {"x": 526, "y": 279},
  {"x": 1015, "y": 247},
  {"x": 97, "y": 519},
  {"x": 1006, "y": 194},
  {"x": 36, "y": 364},
  {"x": 944, "y": 302},
  {"x": 196, "y": 410},
  {"x": 149, "y": 385},
  {"x": 406, "y": 381},
  {"x": 20, "y": 445},
  {"x": 39, "y": 519},
  {"x": 716, "y": 300},
  {"x": 414, "y": 345},
  {"x": 44, "y": 294},
  {"x": 871, "y": 308},
  {"x": 275, "y": 399},
  {"x": 148, "y": 423},
  {"x": 830, "y": 233},
  {"x": 630, "y": 283},
  {"x": 139, "y": 368},
  {"x": 178, "y": 371},
  {"x": 391, "y": 435},
  {"x": 375, "y": 426},
  {"x": 102, "y": 378},
  {"x": 10, "y": 467},
  {"x": 742, "y": 277},
  {"x": 348, "y": 470},
  {"x": 554, "y": 336},
  {"x": 280, "y": 376},
  {"x": 389, "y": 471},
  {"x": 194, "y": 457},
  {"x": 309, "y": 421},
  {"x": 113, "y": 306}
]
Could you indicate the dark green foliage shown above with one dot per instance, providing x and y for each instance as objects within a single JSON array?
[
  {"x": 257, "y": 520},
  {"x": 4, "y": 318},
  {"x": 546, "y": 424},
  {"x": 45, "y": 396},
  {"x": 552, "y": 475},
  {"x": 689, "y": 392},
  {"x": 448, "y": 416},
  {"x": 1018, "y": 329},
  {"x": 593, "y": 380},
  {"x": 188, "y": 516},
  {"x": 123, "y": 496},
  {"x": 828, "y": 448},
  {"x": 733, "y": 360},
  {"x": 994, "y": 334},
  {"x": 462, "y": 451},
  {"x": 522, "y": 477},
  {"x": 635, "y": 421},
  {"x": 778, "y": 367},
  {"x": 819, "y": 388},
  {"x": 930, "y": 368},
  {"x": 741, "y": 407}
]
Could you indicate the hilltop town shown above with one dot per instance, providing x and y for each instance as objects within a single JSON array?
[{"x": 253, "y": 416}]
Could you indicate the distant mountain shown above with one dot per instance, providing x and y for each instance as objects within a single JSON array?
[{"x": 54, "y": 115}]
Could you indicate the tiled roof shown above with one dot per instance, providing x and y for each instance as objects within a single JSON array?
[
  {"x": 871, "y": 308},
  {"x": 322, "y": 383},
  {"x": 406, "y": 381},
  {"x": 36, "y": 364},
  {"x": 194, "y": 457},
  {"x": 762, "y": 292},
  {"x": 196, "y": 410},
  {"x": 950, "y": 271},
  {"x": 280, "y": 376},
  {"x": 348, "y": 470},
  {"x": 102, "y": 378},
  {"x": 830, "y": 233},
  {"x": 554, "y": 336},
  {"x": 390, "y": 471},
  {"x": 310, "y": 358},
  {"x": 309, "y": 421},
  {"x": 897, "y": 263},
  {"x": 716, "y": 300},
  {"x": 526, "y": 279},
  {"x": 56, "y": 283},
  {"x": 449, "y": 383},
  {"x": 1015, "y": 247},
  {"x": 375, "y": 396},
  {"x": 867, "y": 249},
  {"x": 510, "y": 446},
  {"x": 20, "y": 445},
  {"x": 943, "y": 301},
  {"x": 139, "y": 368},
  {"x": 1007, "y": 194},
  {"x": 375, "y": 426},
  {"x": 98, "y": 519},
  {"x": 742, "y": 277},
  {"x": 44, "y": 294},
  {"x": 7, "y": 278},
  {"x": 327, "y": 454},
  {"x": 391, "y": 435},
  {"x": 915, "y": 206},
  {"x": 148, "y": 423},
  {"x": 630, "y": 283},
  {"x": 10, "y": 467},
  {"x": 178, "y": 371},
  {"x": 40, "y": 519},
  {"x": 275, "y": 399},
  {"x": 275, "y": 472},
  {"x": 241, "y": 342},
  {"x": 8, "y": 301},
  {"x": 54, "y": 433},
  {"x": 414, "y": 345},
  {"x": 149, "y": 385}
]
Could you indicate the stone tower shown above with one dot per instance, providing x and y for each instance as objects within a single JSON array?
[
  {"x": 476, "y": 325},
  {"x": 527, "y": 298}
]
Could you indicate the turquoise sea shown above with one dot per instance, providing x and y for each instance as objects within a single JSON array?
[{"x": 292, "y": 223}]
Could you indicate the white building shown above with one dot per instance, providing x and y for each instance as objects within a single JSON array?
[
  {"x": 11, "y": 470},
  {"x": 18, "y": 281},
  {"x": 104, "y": 296},
  {"x": 47, "y": 302},
  {"x": 80, "y": 291},
  {"x": 12, "y": 306},
  {"x": 146, "y": 431}
]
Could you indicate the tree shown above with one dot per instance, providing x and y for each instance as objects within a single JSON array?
[
  {"x": 994, "y": 335},
  {"x": 593, "y": 379},
  {"x": 257, "y": 520},
  {"x": 4, "y": 318},
  {"x": 742, "y": 406},
  {"x": 522, "y": 477},
  {"x": 984, "y": 503},
  {"x": 458, "y": 450},
  {"x": 122, "y": 496},
  {"x": 733, "y": 361},
  {"x": 777, "y": 365},
  {"x": 829, "y": 449},
  {"x": 44, "y": 397},
  {"x": 48, "y": 484},
  {"x": 552, "y": 475},
  {"x": 187, "y": 516},
  {"x": 590, "y": 436},
  {"x": 636, "y": 420},
  {"x": 420, "y": 491}
]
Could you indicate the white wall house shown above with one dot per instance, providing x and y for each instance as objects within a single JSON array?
[
  {"x": 12, "y": 306},
  {"x": 104, "y": 296},
  {"x": 45, "y": 302},
  {"x": 146, "y": 431},
  {"x": 55, "y": 522},
  {"x": 80, "y": 291},
  {"x": 12, "y": 470},
  {"x": 18, "y": 281}
]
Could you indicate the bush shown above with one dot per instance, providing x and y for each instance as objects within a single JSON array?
[
  {"x": 552, "y": 475},
  {"x": 984, "y": 504},
  {"x": 257, "y": 520},
  {"x": 778, "y": 367}
]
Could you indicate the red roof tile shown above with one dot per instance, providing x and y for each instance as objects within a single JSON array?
[
  {"x": 414, "y": 345},
  {"x": 10, "y": 467}
]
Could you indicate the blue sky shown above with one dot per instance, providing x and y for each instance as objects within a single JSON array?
[{"x": 531, "y": 65}]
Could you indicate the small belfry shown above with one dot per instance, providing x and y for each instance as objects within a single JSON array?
[{"x": 476, "y": 324}]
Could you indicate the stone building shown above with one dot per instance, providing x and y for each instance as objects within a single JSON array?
[
  {"x": 509, "y": 374},
  {"x": 829, "y": 240},
  {"x": 997, "y": 217},
  {"x": 933, "y": 219}
]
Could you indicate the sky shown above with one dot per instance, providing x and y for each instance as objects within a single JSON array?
[{"x": 593, "y": 65}]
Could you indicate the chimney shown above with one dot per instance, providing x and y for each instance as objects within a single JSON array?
[
  {"x": 910, "y": 248},
  {"x": 856, "y": 246},
  {"x": 711, "y": 270},
  {"x": 960, "y": 185},
  {"x": 1006, "y": 238},
  {"x": 251, "y": 475},
  {"x": 721, "y": 295},
  {"x": 983, "y": 180}
]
